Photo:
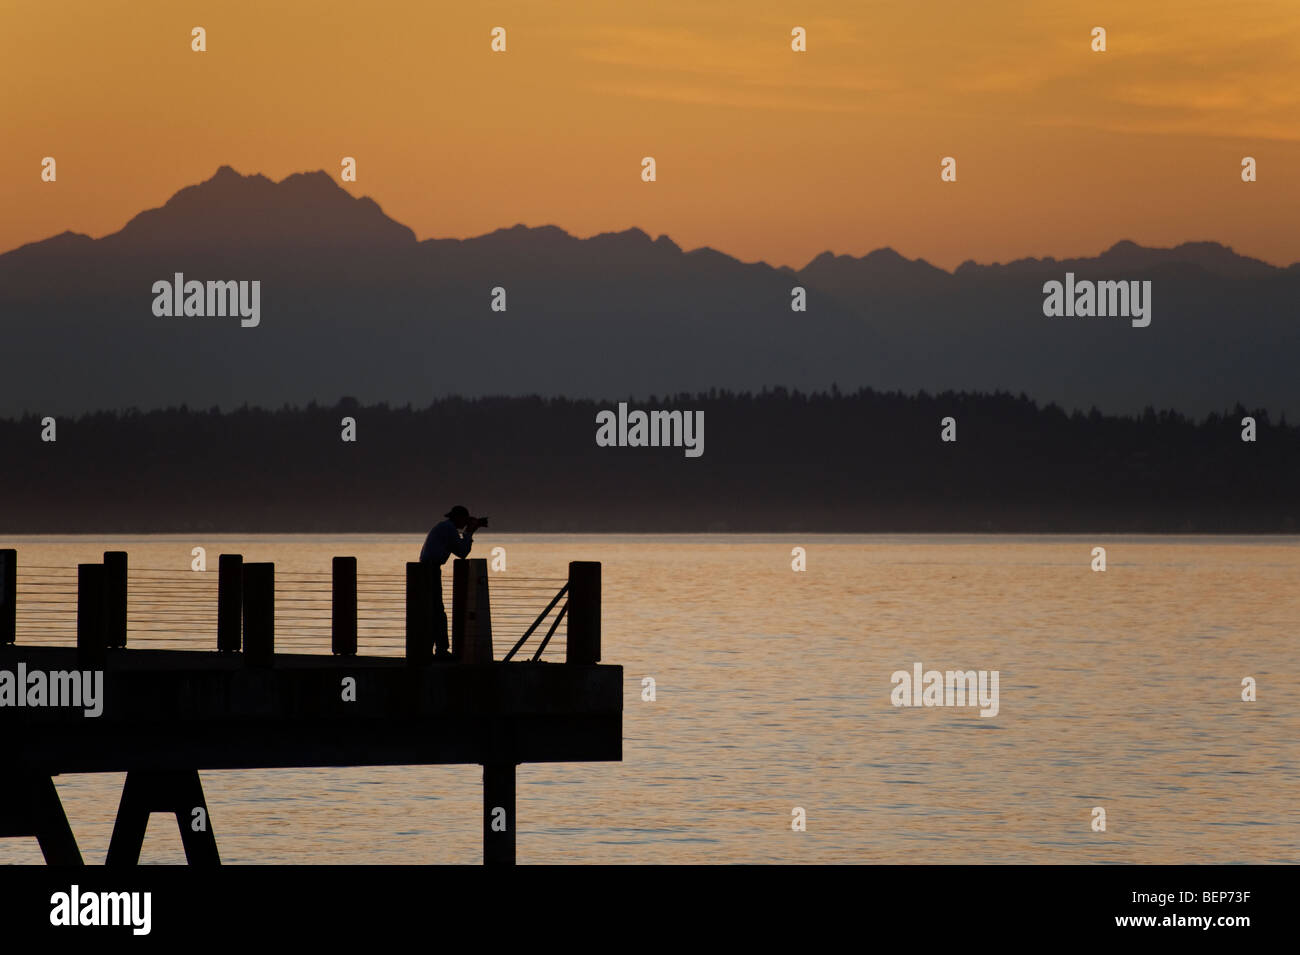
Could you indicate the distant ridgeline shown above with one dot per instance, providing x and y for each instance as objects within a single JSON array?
[{"x": 774, "y": 461}]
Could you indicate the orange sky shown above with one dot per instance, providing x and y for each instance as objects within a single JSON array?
[{"x": 762, "y": 152}]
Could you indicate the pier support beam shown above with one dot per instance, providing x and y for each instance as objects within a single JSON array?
[
  {"x": 30, "y": 806},
  {"x": 174, "y": 791},
  {"x": 498, "y": 813}
]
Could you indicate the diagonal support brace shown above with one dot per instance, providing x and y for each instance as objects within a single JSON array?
[{"x": 173, "y": 791}]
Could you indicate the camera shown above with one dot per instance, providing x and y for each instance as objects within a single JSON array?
[{"x": 481, "y": 521}]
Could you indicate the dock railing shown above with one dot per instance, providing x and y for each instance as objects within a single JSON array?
[{"x": 257, "y": 611}]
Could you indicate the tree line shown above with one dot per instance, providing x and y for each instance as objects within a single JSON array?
[{"x": 775, "y": 461}]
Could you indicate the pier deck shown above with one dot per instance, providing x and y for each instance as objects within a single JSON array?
[{"x": 174, "y": 709}]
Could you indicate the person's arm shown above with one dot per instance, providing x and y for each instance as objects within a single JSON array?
[{"x": 460, "y": 545}]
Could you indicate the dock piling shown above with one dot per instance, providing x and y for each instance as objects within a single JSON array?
[
  {"x": 115, "y": 597},
  {"x": 259, "y": 614},
  {"x": 230, "y": 602},
  {"x": 343, "y": 607},
  {"x": 8, "y": 596},
  {"x": 459, "y": 583},
  {"x": 419, "y": 612},
  {"x": 583, "y": 634},
  {"x": 92, "y": 616},
  {"x": 477, "y": 624},
  {"x": 498, "y": 813}
]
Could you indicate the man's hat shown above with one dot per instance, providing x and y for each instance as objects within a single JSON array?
[{"x": 458, "y": 511}]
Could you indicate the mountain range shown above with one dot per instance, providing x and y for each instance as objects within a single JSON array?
[{"x": 353, "y": 304}]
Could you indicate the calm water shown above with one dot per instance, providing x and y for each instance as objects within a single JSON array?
[{"x": 1117, "y": 689}]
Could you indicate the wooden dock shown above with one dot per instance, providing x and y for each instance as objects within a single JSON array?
[{"x": 167, "y": 713}]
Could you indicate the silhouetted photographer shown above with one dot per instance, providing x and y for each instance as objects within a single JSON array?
[{"x": 455, "y": 535}]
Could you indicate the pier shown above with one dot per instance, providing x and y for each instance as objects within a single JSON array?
[{"x": 166, "y": 714}]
